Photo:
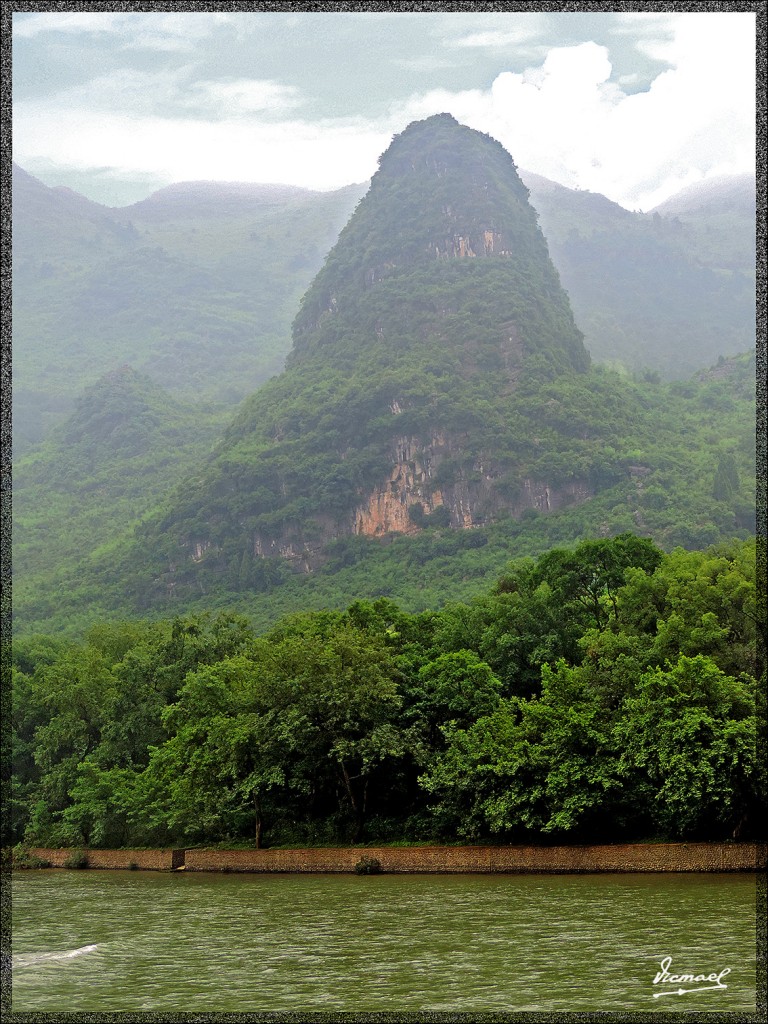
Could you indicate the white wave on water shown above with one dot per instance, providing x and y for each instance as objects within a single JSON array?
[{"x": 54, "y": 956}]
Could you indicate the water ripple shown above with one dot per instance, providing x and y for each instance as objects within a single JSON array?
[{"x": 460, "y": 943}]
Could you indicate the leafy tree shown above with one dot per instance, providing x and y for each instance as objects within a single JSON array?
[
  {"x": 544, "y": 765},
  {"x": 726, "y": 483},
  {"x": 590, "y": 576},
  {"x": 76, "y": 694},
  {"x": 102, "y": 800},
  {"x": 456, "y": 688},
  {"x": 692, "y": 729},
  {"x": 309, "y": 710},
  {"x": 615, "y": 698}
]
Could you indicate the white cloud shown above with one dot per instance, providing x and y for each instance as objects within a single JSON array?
[
  {"x": 562, "y": 117},
  {"x": 567, "y": 121},
  {"x": 427, "y": 63},
  {"x": 489, "y": 30},
  {"x": 245, "y": 96},
  {"x": 637, "y": 22},
  {"x": 123, "y": 89},
  {"x": 319, "y": 155},
  {"x": 494, "y": 38},
  {"x": 163, "y": 93},
  {"x": 172, "y": 32},
  {"x": 155, "y": 31}
]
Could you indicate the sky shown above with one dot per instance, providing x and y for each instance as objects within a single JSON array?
[{"x": 635, "y": 106}]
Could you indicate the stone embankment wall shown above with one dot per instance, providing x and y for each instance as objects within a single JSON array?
[
  {"x": 147, "y": 860},
  {"x": 439, "y": 859},
  {"x": 488, "y": 859}
]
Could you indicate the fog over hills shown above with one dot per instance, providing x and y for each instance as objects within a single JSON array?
[
  {"x": 209, "y": 198},
  {"x": 714, "y": 195},
  {"x": 439, "y": 398},
  {"x": 197, "y": 284}
]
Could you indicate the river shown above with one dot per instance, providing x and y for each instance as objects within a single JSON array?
[{"x": 151, "y": 941}]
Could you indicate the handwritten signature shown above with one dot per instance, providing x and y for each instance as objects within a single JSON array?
[{"x": 665, "y": 977}]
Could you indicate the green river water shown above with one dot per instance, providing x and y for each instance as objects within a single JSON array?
[{"x": 151, "y": 941}]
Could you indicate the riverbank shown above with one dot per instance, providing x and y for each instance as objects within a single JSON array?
[{"x": 431, "y": 859}]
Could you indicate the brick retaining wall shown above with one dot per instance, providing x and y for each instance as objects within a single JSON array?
[
  {"x": 487, "y": 859},
  {"x": 440, "y": 859},
  {"x": 147, "y": 860}
]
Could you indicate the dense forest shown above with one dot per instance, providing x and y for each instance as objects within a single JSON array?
[
  {"x": 607, "y": 691},
  {"x": 676, "y": 463}
]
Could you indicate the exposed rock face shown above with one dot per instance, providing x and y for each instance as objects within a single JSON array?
[
  {"x": 481, "y": 243},
  {"x": 419, "y": 491},
  {"x": 199, "y": 549},
  {"x": 469, "y": 499},
  {"x": 388, "y": 508}
]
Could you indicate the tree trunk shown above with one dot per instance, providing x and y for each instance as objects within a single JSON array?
[
  {"x": 259, "y": 822},
  {"x": 359, "y": 815},
  {"x": 348, "y": 787}
]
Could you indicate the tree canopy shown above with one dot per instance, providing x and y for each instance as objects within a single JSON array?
[{"x": 603, "y": 692}]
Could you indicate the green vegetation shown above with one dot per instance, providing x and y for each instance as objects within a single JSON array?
[
  {"x": 368, "y": 866},
  {"x": 23, "y": 859},
  {"x": 674, "y": 462},
  {"x": 125, "y": 444},
  {"x": 437, "y": 365},
  {"x": 666, "y": 292},
  {"x": 601, "y": 692},
  {"x": 77, "y": 861},
  {"x": 603, "y": 687},
  {"x": 444, "y": 248},
  {"x": 194, "y": 287}
]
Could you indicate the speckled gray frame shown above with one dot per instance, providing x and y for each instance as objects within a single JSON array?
[{"x": 761, "y": 10}]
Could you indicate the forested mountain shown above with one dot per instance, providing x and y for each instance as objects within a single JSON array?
[
  {"x": 438, "y": 398},
  {"x": 194, "y": 287},
  {"x": 197, "y": 285},
  {"x": 124, "y": 445},
  {"x": 458, "y": 543},
  {"x": 667, "y": 292},
  {"x": 734, "y": 194},
  {"x": 436, "y": 307}
]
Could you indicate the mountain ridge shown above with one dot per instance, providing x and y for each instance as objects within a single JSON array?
[
  {"x": 443, "y": 411},
  {"x": 172, "y": 294},
  {"x": 431, "y": 385},
  {"x": 734, "y": 190},
  {"x": 629, "y": 278}
]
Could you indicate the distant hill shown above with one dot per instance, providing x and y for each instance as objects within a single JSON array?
[
  {"x": 732, "y": 192},
  {"x": 562, "y": 209},
  {"x": 661, "y": 292},
  {"x": 195, "y": 286},
  {"x": 55, "y": 222},
  {"x": 195, "y": 198},
  {"x": 125, "y": 444}
]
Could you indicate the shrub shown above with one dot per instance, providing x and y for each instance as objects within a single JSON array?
[
  {"x": 22, "y": 859},
  {"x": 368, "y": 866},
  {"x": 78, "y": 860}
]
